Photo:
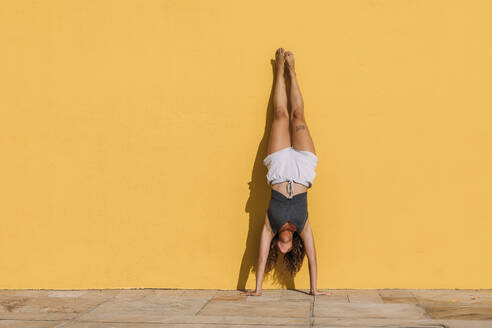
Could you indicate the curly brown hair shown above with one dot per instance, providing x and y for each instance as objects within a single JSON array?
[{"x": 292, "y": 259}]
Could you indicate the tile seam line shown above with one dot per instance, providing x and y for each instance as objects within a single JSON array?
[
  {"x": 421, "y": 306},
  {"x": 203, "y": 306},
  {"x": 84, "y": 313},
  {"x": 311, "y": 311}
]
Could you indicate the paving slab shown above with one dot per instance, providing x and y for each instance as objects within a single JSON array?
[
  {"x": 241, "y": 320},
  {"x": 283, "y": 309},
  {"x": 373, "y": 322},
  {"x": 28, "y": 324},
  {"x": 228, "y": 292},
  {"x": 391, "y": 292},
  {"x": 337, "y": 296},
  {"x": 397, "y": 296},
  {"x": 25, "y": 292},
  {"x": 144, "y": 294},
  {"x": 364, "y": 296},
  {"x": 398, "y": 323},
  {"x": 67, "y": 293},
  {"x": 229, "y": 295},
  {"x": 199, "y": 294},
  {"x": 145, "y": 308},
  {"x": 459, "y": 311},
  {"x": 466, "y": 323},
  {"x": 211, "y": 321},
  {"x": 367, "y": 310},
  {"x": 50, "y": 305},
  {"x": 267, "y": 295},
  {"x": 179, "y": 325},
  {"x": 454, "y": 296},
  {"x": 168, "y": 292},
  {"x": 291, "y": 294}
]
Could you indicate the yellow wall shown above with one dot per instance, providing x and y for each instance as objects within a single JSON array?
[{"x": 132, "y": 135}]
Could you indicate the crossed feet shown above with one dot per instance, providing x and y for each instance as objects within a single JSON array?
[{"x": 285, "y": 58}]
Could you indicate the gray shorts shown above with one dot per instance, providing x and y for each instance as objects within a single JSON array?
[{"x": 283, "y": 209}]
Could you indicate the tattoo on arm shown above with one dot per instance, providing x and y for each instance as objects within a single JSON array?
[{"x": 300, "y": 127}]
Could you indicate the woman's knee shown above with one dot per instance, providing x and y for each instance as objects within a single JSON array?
[
  {"x": 280, "y": 114},
  {"x": 298, "y": 115}
]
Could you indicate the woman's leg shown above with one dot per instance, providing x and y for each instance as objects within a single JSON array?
[
  {"x": 301, "y": 138},
  {"x": 279, "y": 133}
]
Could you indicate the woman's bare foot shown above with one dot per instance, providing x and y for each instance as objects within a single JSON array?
[
  {"x": 289, "y": 59},
  {"x": 250, "y": 293},
  {"x": 319, "y": 292},
  {"x": 280, "y": 59}
]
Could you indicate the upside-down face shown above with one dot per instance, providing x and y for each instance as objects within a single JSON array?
[{"x": 285, "y": 241}]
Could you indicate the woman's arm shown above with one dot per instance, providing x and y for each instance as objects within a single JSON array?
[
  {"x": 265, "y": 240},
  {"x": 308, "y": 240}
]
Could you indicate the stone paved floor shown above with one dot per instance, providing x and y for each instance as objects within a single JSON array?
[{"x": 155, "y": 308}]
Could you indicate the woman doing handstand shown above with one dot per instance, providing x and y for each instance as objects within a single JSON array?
[{"x": 291, "y": 160}]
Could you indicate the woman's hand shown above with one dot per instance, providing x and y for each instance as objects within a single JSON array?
[
  {"x": 252, "y": 293},
  {"x": 318, "y": 292}
]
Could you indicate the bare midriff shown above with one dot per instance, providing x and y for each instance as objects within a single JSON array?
[{"x": 283, "y": 188}]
